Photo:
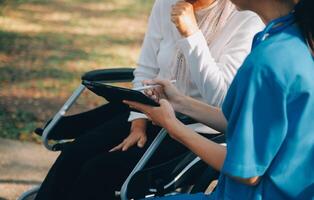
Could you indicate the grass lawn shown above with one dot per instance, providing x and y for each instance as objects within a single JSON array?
[{"x": 46, "y": 45}]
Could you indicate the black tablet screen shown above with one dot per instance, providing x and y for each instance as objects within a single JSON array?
[{"x": 116, "y": 94}]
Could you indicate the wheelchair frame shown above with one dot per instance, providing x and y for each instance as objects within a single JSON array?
[{"x": 107, "y": 75}]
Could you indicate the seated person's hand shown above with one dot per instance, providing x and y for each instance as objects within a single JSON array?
[
  {"x": 182, "y": 15},
  {"x": 166, "y": 90},
  {"x": 137, "y": 136}
]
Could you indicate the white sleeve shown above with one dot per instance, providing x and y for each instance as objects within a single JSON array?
[
  {"x": 147, "y": 67},
  {"x": 213, "y": 76}
]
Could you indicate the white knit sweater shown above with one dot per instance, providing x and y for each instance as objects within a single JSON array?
[{"x": 212, "y": 67}]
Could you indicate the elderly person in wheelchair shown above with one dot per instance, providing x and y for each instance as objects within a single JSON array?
[{"x": 200, "y": 44}]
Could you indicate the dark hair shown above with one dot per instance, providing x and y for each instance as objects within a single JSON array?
[{"x": 304, "y": 12}]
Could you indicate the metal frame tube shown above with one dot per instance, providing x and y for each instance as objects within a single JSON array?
[
  {"x": 67, "y": 105},
  {"x": 29, "y": 193},
  {"x": 60, "y": 114},
  {"x": 187, "y": 168},
  {"x": 142, "y": 162}
]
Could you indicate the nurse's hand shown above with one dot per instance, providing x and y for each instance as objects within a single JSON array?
[
  {"x": 163, "y": 115},
  {"x": 182, "y": 15},
  {"x": 166, "y": 90}
]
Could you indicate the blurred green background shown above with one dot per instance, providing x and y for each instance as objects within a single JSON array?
[{"x": 45, "y": 47}]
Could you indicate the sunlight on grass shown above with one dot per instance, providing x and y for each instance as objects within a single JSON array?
[{"x": 45, "y": 47}]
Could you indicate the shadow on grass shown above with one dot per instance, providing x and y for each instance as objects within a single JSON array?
[
  {"x": 128, "y": 8},
  {"x": 31, "y": 58},
  {"x": 40, "y": 46},
  {"x": 10, "y": 74},
  {"x": 19, "y": 182},
  {"x": 13, "y": 124},
  {"x": 47, "y": 55},
  {"x": 20, "y": 116},
  {"x": 41, "y": 56}
]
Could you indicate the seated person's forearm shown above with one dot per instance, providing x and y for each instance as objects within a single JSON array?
[
  {"x": 139, "y": 123},
  {"x": 204, "y": 113}
]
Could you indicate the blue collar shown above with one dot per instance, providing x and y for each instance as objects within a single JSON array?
[{"x": 273, "y": 27}]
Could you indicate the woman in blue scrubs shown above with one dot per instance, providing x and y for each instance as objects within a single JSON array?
[{"x": 268, "y": 114}]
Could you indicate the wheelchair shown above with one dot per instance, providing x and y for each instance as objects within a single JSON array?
[{"x": 184, "y": 174}]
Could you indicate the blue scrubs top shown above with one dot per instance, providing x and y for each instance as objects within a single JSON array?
[{"x": 270, "y": 113}]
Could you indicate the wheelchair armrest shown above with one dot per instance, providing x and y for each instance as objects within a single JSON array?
[{"x": 110, "y": 75}]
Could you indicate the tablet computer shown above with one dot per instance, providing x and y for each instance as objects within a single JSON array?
[{"x": 115, "y": 94}]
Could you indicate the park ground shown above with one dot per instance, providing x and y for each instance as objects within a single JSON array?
[
  {"x": 23, "y": 165},
  {"x": 45, "y": 47}
]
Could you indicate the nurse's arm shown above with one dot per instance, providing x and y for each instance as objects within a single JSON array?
[
  {"x": 203, "y": 113},
  {"x": 210, "y": 152}
]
